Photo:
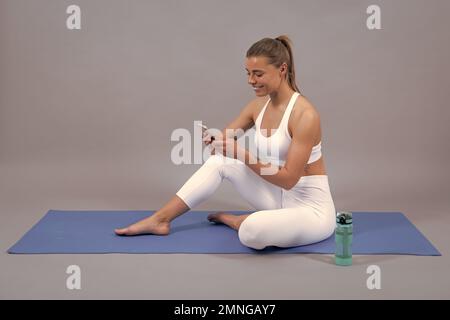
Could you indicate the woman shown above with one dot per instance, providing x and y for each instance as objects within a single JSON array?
[{"x": 294, "y": 203}]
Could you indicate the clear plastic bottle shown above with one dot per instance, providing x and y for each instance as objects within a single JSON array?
[{"x": 343, "y": 238}]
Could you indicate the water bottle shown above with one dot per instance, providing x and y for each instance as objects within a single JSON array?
[{"x": 343, "y": 238}]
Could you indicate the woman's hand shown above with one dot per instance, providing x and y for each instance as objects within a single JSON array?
[
  {"x": 207, "y": 137},
  {"x": 229, "y": 148}
]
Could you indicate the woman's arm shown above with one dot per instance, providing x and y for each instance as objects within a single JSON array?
[
  {"x": 242, "y": 123},
  {"x": 303, "y": 137}
]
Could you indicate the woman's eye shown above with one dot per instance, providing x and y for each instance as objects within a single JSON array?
[{"x": 258, "y": 75}]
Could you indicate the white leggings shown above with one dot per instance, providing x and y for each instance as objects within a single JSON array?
[{"x": 286, "y": 218}]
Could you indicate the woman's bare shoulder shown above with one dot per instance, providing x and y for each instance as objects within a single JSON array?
[
  {"x": 303, "y": 105},
  {"x": 257, "y": 104}
]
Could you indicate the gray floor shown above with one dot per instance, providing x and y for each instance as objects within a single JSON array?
[{"x": 27, "y": 193}]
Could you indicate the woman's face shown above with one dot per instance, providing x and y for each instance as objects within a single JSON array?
[{"x": 263, "y": 77}]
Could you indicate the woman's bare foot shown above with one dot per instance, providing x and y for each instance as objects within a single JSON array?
[
  {"x": 231, "y": 220},
  {"x": 148, "y": 225}
]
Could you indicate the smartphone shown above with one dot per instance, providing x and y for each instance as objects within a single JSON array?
[
  {"x": 203, "y": 126},
  {"x": 204, "y": 129}
]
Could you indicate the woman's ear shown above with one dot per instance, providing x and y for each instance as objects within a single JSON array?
[{"x": 283, "y": 68}]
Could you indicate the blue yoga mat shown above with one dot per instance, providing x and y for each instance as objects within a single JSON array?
[{"x": 93, "y": 232}]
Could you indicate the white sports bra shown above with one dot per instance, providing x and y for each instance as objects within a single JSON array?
[{"x": 274, "y": 148}]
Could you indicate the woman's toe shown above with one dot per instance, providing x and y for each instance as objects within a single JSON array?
[{"x": 122, "y": 231}]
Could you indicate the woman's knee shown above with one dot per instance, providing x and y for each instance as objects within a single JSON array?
[
  {"x": 250, "y": 233},
  {"x": 214, "y": 159},
  {"x": 227, "y": 167}
]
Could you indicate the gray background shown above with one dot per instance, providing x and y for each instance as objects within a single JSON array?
[{"x": 86, "y": 117}]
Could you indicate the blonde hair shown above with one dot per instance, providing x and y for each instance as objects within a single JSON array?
[{"x": 277, "y": 51}]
